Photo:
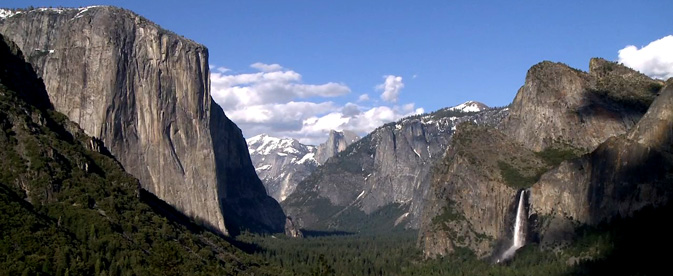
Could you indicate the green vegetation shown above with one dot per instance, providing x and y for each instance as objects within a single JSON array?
[
  {"x": 636, "y": 93},
  {"x": 553, "y": 156},
  {"x": 448, "y": 214},
  {"x": 390, "y": 254},
  {"x": 515, "y": 179},
  {"x": 67, "y": 209},
  {"x": 630, "y": 246}
]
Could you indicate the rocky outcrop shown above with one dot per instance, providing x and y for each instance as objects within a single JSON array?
[
  {"x": 558, "y": 114},
  {"x": 561, "y": 105},
  {"x": 624, "y": 174},
  {"x": 336, "y": 142},
  {"x": 144, "y": 92},
  {"x": 384, "y": 175},
  {"x": 281, "y": 163},
  {"x": 291, "y": 230},
  {"x": 471, "y": 195}
]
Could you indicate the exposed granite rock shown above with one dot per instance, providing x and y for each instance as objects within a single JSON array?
[
  {"x": 291, "y": 230},
  {"x": 386, "y": 170},
  {"x": 559, "y": 104},
  {"x": 336, "y": 142},
  {"x": 623, "y": 175},
  {"x": 144, "y": 92},
  {"x": 472, "y": 203},
  {"x": 559, "y": 113},
  {"x": 281, "y": 163}
]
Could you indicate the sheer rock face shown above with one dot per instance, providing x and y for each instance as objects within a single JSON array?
[
  {"x": 470, "y": 203},
  {"x": 624, "y": 174},
  {"x": 336, "y": 142},
  {"x": 386, "y": 170},
  {"x": 558, "y": 107},
  {"x": 144, "y": 91},
  {"x": 291, "y": 230},
  {"x": 559, "y": 104}
]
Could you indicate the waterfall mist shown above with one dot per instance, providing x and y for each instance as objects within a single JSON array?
[{"x": 519, "y": 233}]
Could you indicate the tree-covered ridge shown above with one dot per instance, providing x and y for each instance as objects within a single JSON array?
[{"x": 68, "y": 208}]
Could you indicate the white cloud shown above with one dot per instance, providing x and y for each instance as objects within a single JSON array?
[
  {"x": 654, "y": 60},
  {"x": 363, "y": 98},
  {"x": 222, "y": 69},
  {"x": 242, "y": 90},
  {"x": 315, "y": 129},
  {"x": 276, "y": 101},
  {"x": 391, "y": 88},
  {"x": 266, "y": 67}
]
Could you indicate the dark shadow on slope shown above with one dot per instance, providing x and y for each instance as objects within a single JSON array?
[
  {"x": 641, "y": 245},
  {"x": 320, "y": 233},
  {"x": 244, "y": 202},
  {"x": 624, "y": 171},
  {"x": 19, "y": 76},
  {"x": 166, "y": 210},
  {"x": 621, "y": 172}
]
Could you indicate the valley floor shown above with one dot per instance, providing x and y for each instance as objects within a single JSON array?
[{"x": 631, "y": 246}]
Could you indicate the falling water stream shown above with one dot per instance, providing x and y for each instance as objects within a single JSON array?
[{"x": 519, "y": 230}]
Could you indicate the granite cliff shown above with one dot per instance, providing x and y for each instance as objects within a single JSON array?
[
  {"x": 282, "y": 163},
  {"x": 144, "y": 92},
  {"x": 337, "y": 141},
  {"x": 624, "y": 174},
  {"x": 378, "y": 182},
  {"x": 67, "y": 207},
  {"x": 559, "y": 114}
]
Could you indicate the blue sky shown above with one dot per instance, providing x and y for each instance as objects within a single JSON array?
[{"x": 424, "y": 55}]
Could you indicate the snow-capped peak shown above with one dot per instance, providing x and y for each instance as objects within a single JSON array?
[
  {"x": 470, "y": 106},
  {"x": 7, "y": 13},
  {"x": 265, "y": 144}
]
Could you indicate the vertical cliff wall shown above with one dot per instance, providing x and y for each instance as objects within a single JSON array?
[
  {"x": 144, "y": 91},
  {"x": 624, "y": 174},
  {"x": 558, "y": 114}
]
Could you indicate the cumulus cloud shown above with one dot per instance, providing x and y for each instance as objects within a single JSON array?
[
  {"x": 266, "y": 67},
  {"x": 391, "y": 88},
  {"x": 315, "y": 129},
  {"x": 238, "y": 91},
  {"x": 275, "y": 101},
  {"x": 222, "y": 69},
  {"x": 363, "y": 98},
  {"x": 654, "y": 60}
]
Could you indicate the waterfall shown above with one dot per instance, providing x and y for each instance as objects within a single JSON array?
[{"x": 519, "y": 234}]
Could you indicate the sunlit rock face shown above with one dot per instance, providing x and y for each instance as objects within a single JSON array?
[
  {"x": 596, "y": 115},
  {"x": 144, "y": 91},
  {"x": 281, "y": 163},
  {"x": 383, "y": 177}
]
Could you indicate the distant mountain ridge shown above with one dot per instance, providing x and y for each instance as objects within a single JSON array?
[
  {"x": 281, "y": 163},
  {"x": 379, "y": 182}
]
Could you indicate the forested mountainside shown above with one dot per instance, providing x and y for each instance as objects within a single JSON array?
[{"x": 68, "y": 208}]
